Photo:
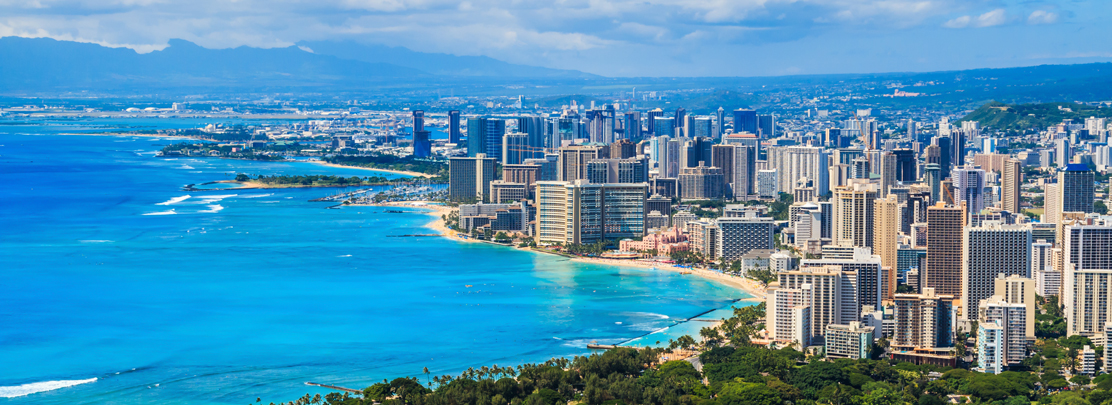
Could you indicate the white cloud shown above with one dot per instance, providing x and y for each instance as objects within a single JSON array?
[
  {"x": 992, "y": 18},
  {"x": 1042, "y": 17},
  {"x": 960, "y": 22},
  {"x": 989, "y": 19}
]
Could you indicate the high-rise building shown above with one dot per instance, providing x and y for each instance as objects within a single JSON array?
[
  {"x": 789, "y": 313},
  {"x": 905, "y": 165},
  {"x": 944, "y": 240},
  {"x": 795, "y": 162},
  {"x": 484, "y": 135},
  {"x": 650, "y": 122},
  {"x": 766, "y": 126},
  {"x": 515, "y": 148},
  {"x": 469, "y": 178},
  {"x": 664, "y": 126},
  {"x": 454, "y": 136},
  {"x": 1018, "y": 290},
  {"x": 932, "y": 173},
  {"x": 1063, "y": 152},
  {"x": 632, "y": 170},
  {"x": 702, "y": 128},
  {"x": 767, "y": 184},
  {"x": 833, "y": 298},
  {"x": 970, "y": 186},
  {"x": 740, "y": 235},
  {"x": 623, "y": 149},
  {"x": 632, "y": 125},
  {"x": 1052, "y": 203},
  {"x": 1076, "y": 188},
  {"x": 852, "y": 341},
  {"x": 888, "y": 172},
  {"x": 418, "y": 120},
  {"x": 863, "y": 266},
  {"x": 991, "y": 348},
  {"x": 719, "y": 123},
  {"x": 853, "y": 215},
  {"x": 988, "y": 251},
  {"x": 745, "y": 172},
  {"x": 1087, "y": 279},
  {"x": 681, "y": 122},
  {"x": 535, "y": 127},
  {"x": 722, "y": 157},
  {"x": 745, "y": 120},
  {"x": 944, "y": 153},
  {"x": 923, "y": 320},
  {"x": 701, "y": 183},
  {"x": 572, "y": 161},
  {"x": 886, "y": 232},
  {"x": 1010, "y": 185},
  {"x": 583, "y": 213}
]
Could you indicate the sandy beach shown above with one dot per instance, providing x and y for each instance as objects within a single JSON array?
[
  {"x": 403, "y": 172},
  {"x": 751, "y": 287}
]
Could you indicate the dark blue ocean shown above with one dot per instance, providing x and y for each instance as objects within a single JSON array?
[{"x": 108, "y": 271}]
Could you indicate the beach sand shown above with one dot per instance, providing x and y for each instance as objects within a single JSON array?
[{"x": 751, "y": 287}]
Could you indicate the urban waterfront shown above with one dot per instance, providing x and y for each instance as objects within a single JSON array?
[{"x": 114, "y": 273}]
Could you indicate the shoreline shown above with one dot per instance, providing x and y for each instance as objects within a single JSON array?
[
  {"x": 251, "y": 185},
  {"x": 402, "y": 172},
  {"x": 747, "y": 286}
]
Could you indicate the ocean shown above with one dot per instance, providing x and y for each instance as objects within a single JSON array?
[{"x": 118, "y": 287}]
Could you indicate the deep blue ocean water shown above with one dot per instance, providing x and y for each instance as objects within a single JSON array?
[{"x": 109, "y": 271}]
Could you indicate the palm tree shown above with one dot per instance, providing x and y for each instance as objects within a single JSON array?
[{"x": 426, "y": 370}]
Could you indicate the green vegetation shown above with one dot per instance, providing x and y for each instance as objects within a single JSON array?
[
  {"x": 315, "y": 180},
  {"x": 390, "y": 162},
  {"x": 779, "y": 208},
  {"x": 214, "y": 150},
  {"x": 1017, "y": 118}
]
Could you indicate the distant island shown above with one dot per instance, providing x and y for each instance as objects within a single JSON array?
[{"x": 301, "y": 181}]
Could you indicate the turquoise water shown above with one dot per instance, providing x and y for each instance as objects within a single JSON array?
[{"x": 109, "y": 271}]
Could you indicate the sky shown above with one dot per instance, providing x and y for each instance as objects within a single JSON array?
[{"x": 615, "y": 38}]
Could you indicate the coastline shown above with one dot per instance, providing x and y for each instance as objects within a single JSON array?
[
  {"x": 250, "y": 185},
  {"x": 747, "y": 286},
  {"x": 402, "y": 172}
]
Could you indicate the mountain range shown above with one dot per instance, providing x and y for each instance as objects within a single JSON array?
[{"x": 43, "y": 64}]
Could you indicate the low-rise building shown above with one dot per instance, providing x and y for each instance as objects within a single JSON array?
[{"x": 851, "y": 341}]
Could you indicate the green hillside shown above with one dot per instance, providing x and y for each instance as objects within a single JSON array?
[{"x": 1021, "y": 117}]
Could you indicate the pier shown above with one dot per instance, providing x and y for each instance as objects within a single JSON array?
[{"x": 351, "y": 390}]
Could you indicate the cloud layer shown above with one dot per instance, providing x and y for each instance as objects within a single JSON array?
[{"x": 610, "y": 37}]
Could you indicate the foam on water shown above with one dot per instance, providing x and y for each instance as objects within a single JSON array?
[
  {"x": 175, "y": 200},
  {"x": 32, "y": 388},
  {"x": 170, "y": 212},
  {"x": 212, "y": 209}
]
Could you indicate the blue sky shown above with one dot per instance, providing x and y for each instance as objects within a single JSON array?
[{"x": 615, "y": 38}]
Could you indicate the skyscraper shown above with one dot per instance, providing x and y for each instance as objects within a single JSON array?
[
  {"x": 720, "y": 123},
  {"x": 888, "y": 172},
  {"x": 515, "y": 148},
  {"x": 886, "y": 226},
  {"x": 664, "y": 126},
  {"x": 633, "y": 125},
  {"x": 766, "y": 126},
  {"x": 745, "y": 172},
  {"x": 945, "y": 151},
  {"x": 722, "y": 157},
  {"x": 681, "y": 121},
  {"x": 650, "y": 122},
  {"x": 572, "y": 160},
  {"x": 484, "y": 135},
  {"x": 970, "y": 186},
  {"x": 932, "y": 173},
  {"x": 988, "y": 251},
  {"x": 1087, "y": 280},
  {"x": 580, "y": 212},
  {"x": 454, "y": 136},
  {"x": 701, "y": 182},
  {"x": 923, "y": 320},
  {"x": 853, "y": 215},
  {"x": 1076, "y": 188},
  {"x": 1010, "y": 185},
  {"x": 469, "y": 178},
  {"x": 1063, "y": 152},
  {"x": 745, "y": 120},
  {"x": 944, "y": 240},
  {"x": 905, "y": 165},
  {"x": 796, "y": 162}
]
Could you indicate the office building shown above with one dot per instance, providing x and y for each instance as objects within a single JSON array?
[
  {"x": 722, "y": 157},
  {"x": 664, "y": 126},
  {"x": 745, "y": 120},
  {"x": 888, "y": 172},
  {"x": 944, "y": 249},
  {"x": 744, "y": 178},
  {"x": 969, "y": 184},
  {"x": 454, "y": 135},
  {"x": 484, "y": 135},
  {"x": 632, "y": 125},
  {"x": 1076, "y": 188},
  {"x": 987, "y": 252},
  {"x": 1063, "y": 152},
  {"x": 932, "y": 174},
  {"x": 924, "y": 320},
  {"x": 852, "y": 341},
  {"x": 515, "y": 149},
  {"x": 422, "y": 146},
  {"x": 584, "y": 213},
  {"x": 766, "y": 126}
]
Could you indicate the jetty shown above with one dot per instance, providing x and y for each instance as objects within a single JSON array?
[{"x": 351, "y": 390}]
